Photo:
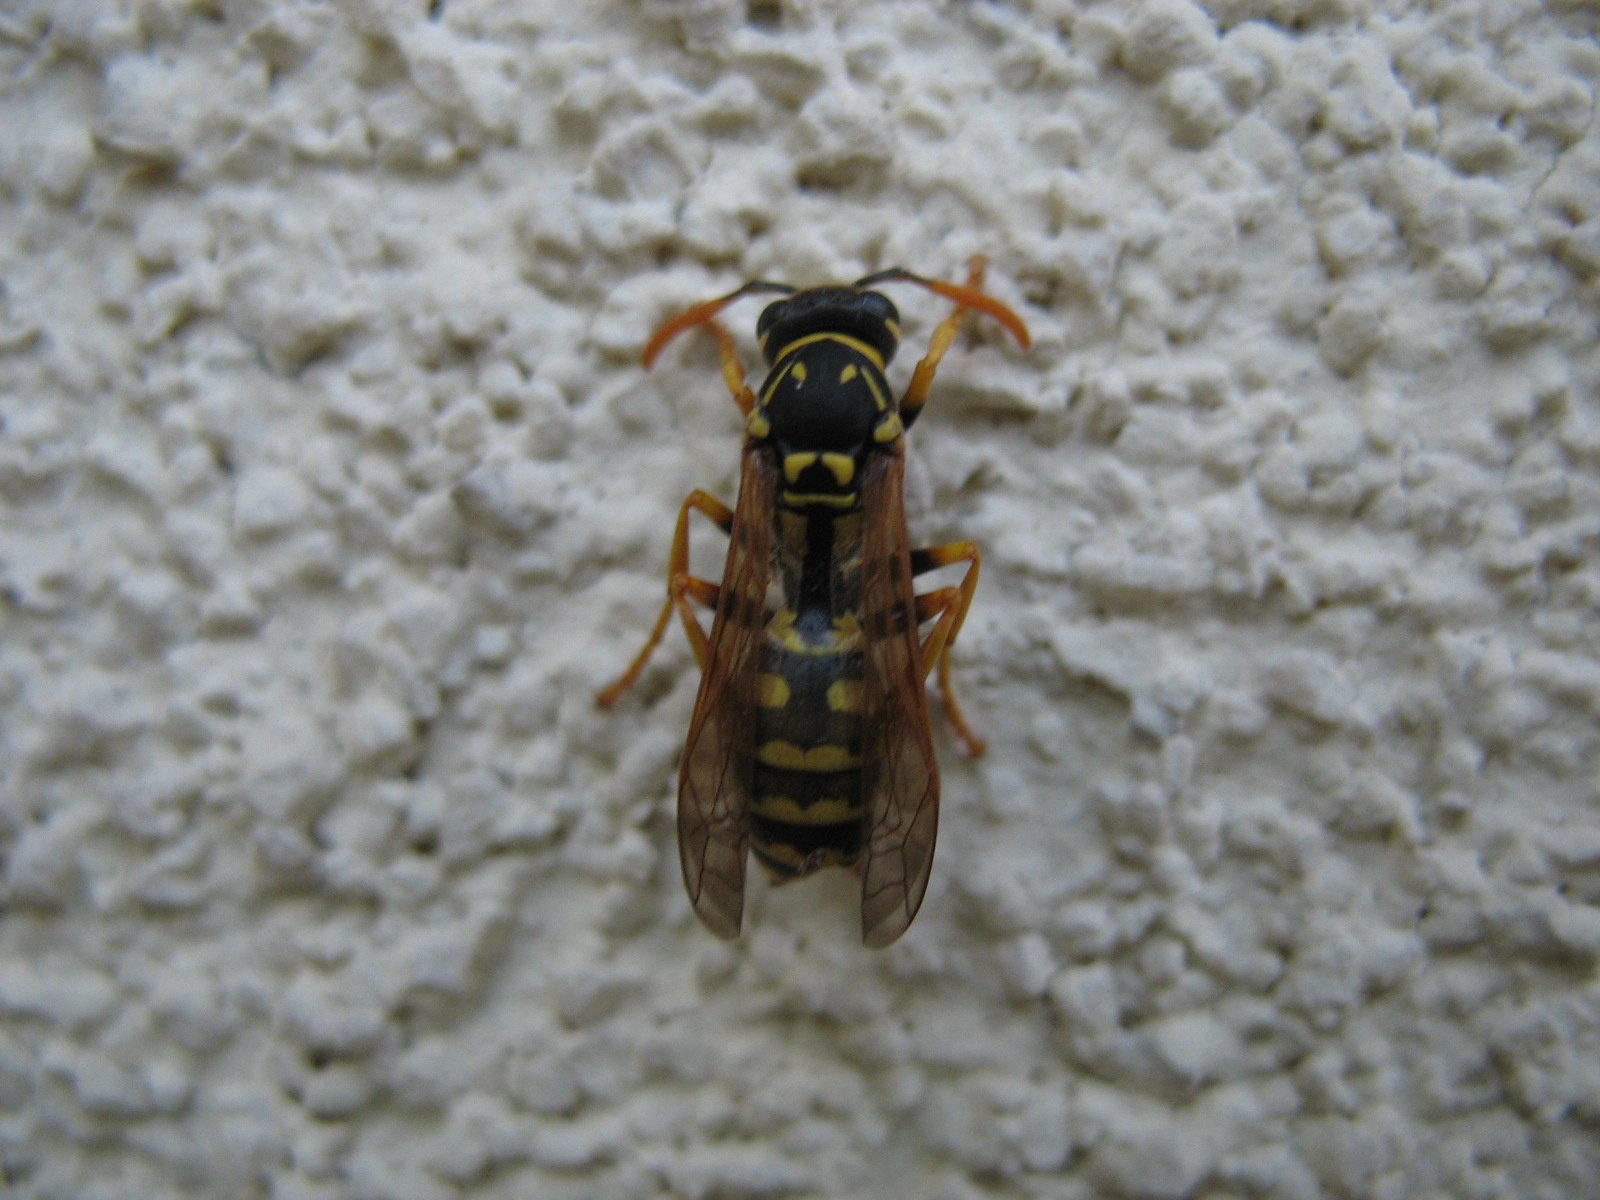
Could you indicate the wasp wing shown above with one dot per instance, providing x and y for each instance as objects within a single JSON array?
[
  {"x": 900, "y": 778},
  {"x": 717, "y": 771}
]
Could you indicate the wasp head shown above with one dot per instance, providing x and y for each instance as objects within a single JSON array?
[{"x": 867, "y": 316}]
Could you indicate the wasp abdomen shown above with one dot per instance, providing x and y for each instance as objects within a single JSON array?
[{"x": 806, "y": 805}]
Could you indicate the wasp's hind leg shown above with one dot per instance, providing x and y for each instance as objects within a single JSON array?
[
  {"x": 682, "y": 587},
  {"x": 948, "y": 606}
]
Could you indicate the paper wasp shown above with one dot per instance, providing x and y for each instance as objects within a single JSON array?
[{"x": 810, "y": 742}]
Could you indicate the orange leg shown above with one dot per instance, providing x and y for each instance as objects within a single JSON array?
[
  {"x": 732, "y": 369},
  {"x": 682, "y": 587},
  {"x": 949, "y": 605},
  {"x": 706, "y": 315},
  {"x": 943, "y": 337}
]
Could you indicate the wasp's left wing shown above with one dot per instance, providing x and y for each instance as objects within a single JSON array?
[
  {"x": 718, "y": 767},
  {"x": 900, "y": 778}
]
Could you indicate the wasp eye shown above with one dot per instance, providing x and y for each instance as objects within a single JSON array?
[
  {"x": 880, "y": 306},
  {"x": 771, "y": 315}
]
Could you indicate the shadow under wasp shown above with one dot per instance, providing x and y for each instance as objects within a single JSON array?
[{"x": 810, "y": 745}]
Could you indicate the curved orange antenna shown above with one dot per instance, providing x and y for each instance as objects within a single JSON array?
[
  {"x": 982, "y": 302},
  {"x": 966, "y": 295},
  {"x": 698, "y": 315},
  {"x": 702, "y": 314}
]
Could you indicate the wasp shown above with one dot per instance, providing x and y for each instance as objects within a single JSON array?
[{"x": 810, "y": 744}]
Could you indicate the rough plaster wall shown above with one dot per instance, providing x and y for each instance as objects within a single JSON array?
[{"x": 331, "y": 491}]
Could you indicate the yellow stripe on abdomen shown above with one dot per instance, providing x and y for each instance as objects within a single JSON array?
[
  {"x": 829, "y": 811},
  {"x": 820, "y": 759},
  {"x": 773, "y": 690},
  {"x": 844, "y": 695}
]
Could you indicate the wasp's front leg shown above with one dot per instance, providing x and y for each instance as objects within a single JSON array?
[
  {"x": 732, "y": 368},
  {"x": 943, "y": 336}
]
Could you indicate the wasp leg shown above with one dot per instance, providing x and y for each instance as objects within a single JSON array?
[
  {"x": 681, "y": 588},
  {"x": 922, "y": 378},
  {"x": 732, "y": 368},
  {"x": 950, "y": 606}
]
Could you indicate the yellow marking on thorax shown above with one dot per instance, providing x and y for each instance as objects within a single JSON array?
[
  {"x": 832, "y": 500},
  {"x": 773, "y": 690},
  {"x": 842, "y": 466},
  {"x": 789, "y": 757},
  {"x": 889, "y": 428},
  {"x": 867, "y": 352},
  {"x": 844, "y": 695},
  {"x": 794, "y": 464},
  {"x": 878, "y": 398},
  {"x": 823, "y": 812},
  {"x": 849, "y": 373},
  {"x": 796, "y": 369}
]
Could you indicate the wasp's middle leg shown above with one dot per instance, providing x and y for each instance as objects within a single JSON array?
[
  {"x": 948, "y": 606},
  {"x": 681, "y": 588}
]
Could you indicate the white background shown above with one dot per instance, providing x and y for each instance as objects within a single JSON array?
[{"x": 331, "y": 489}]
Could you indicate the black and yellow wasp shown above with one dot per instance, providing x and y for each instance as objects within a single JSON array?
[{"x": 810, "y": 743}]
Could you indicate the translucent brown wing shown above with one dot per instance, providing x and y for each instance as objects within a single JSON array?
[
  {"x": 900, "y": 778},
  {"x": 717, "y": 771}
]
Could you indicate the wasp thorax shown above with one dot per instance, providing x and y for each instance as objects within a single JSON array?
[
  {"x": 819, "y": 418},
  {"x": 869, "y": 317},
  {"x": 819, "y": 428}
]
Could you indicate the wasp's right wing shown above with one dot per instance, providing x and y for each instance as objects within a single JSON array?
[
  {"x": 718, "y": 768},
  {"x": 899, "y": 774}
]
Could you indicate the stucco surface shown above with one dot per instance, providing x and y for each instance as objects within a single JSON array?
[{"x": 331, "y": 489}]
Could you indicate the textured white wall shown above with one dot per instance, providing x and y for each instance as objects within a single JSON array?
[{"x": 330, "y": 490}]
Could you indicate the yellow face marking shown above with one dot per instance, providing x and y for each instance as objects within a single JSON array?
[
  {"x": 842, "y": 466},
  {"x": 823, "y": 812},
  {"x": 867, "y": 352},
  {"x": 789, "y": 757},
  {"x": 774, "y": 690},
  {"x": 756, "y": 424},
  {"x": 793, "y": 464},
  {"x": 797, "y": 498},
  {"x": 844, "y": 695},
  {"x": 888, "y": 429},
  {"x": 849, "y": 373}
]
